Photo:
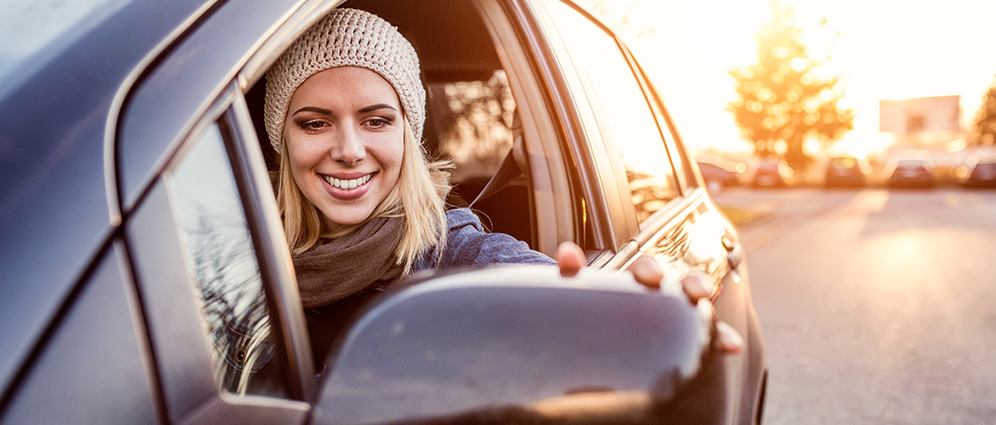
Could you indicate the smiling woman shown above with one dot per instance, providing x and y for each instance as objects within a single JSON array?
[
  {"x": 361, "y": 205},
  {"x": 345, "y": 137}
]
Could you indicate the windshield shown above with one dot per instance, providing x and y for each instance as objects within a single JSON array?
[{"x": 29, "y": 26}]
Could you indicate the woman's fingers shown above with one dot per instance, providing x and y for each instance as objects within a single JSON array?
[
  {"x": 570, "y": 258},
  {"x": 728, "y": 340},
  {"x": 646, "y": 272},
  {"x": 696, "y": 286}
]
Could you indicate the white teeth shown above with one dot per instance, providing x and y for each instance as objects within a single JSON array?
[{"x": 347, "y": 184}]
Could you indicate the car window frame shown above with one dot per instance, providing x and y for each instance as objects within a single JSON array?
[
  {"x": 298, "y": 372},
  {"x": 584, "y": 146},
  {"x": 228, "y": 105},
  {"x": 628, "y": 224}
]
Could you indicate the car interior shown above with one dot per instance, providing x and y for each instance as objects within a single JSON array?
[{"x": 470, "y": 110}]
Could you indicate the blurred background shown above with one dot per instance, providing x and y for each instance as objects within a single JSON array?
[
  {"x": 805, "y": 80},
  {"x": 850, "y": 141}
]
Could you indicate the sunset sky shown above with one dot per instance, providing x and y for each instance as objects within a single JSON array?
[{"x": 882, "y": 49}]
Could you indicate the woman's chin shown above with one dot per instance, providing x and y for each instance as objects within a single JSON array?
[{"x": 347, "y": 216}]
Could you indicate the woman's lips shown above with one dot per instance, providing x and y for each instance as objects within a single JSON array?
[{"x": 347, "y": 188}]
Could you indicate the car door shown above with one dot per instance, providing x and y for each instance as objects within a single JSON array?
[
  {"x": 650, "y": 192},
  {"x": 200, "y": 223}
]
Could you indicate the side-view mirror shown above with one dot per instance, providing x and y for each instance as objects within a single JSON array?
[{"x": 521, "y": 344}]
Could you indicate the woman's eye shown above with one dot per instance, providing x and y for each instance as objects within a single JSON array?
[
  {"x": 313, "y": 125},
  {"x": 377, "y": 123}
]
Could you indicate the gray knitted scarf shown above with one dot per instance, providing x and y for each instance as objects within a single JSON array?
[{"x": 340, "y": 268}]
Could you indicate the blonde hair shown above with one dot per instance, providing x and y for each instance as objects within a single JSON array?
[{"x": 418, "y": 198}]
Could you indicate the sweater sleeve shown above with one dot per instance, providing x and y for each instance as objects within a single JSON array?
[{"x": 468, "y": 244}]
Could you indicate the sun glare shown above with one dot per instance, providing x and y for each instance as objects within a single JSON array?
[{"x": 880, "y": 49}]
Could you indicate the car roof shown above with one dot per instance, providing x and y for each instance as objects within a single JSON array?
[{"x": 54, "y": 114}]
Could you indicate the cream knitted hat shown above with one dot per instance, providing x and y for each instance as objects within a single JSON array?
[{"x": 345, "y": 37}]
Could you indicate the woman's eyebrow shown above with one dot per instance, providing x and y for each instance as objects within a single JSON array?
[
  {"x": 372, "y": 108},
  {"x": 312, "y": 109}
]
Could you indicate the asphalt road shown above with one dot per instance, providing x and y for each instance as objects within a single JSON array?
[{"x": 877, "y": 306}]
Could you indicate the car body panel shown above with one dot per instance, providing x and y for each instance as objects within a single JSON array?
[
  {"x": 93, "y": 364},
  {"x": 716, "y": 177},
  {"x": 53, "y": 204},
  {"x": 174, "y": 326},
  {"x": 124, "y": 105},
  {"x": 204, "y": 62},
  {"x": 769, "y": 173},
  {"x": 910, "y": 173},
  {"x": 844, "y": 171},
  {"x": 979, "y": 170}
]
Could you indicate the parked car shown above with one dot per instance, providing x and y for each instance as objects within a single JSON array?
[
  {"x": 716, "y": 177},
  {"x": 845, "y": 170},
  {"x": 910, "y": 169},
  {"x": 145, "y": 276},
  {"x": 770, "y": 173},
  {"x": 979, "y": 170}
]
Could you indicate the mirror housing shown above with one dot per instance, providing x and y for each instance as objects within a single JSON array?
[{"x": 514, "y": 344}]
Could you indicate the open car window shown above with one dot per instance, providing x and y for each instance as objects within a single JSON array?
[{"x": 470, "y": 108}]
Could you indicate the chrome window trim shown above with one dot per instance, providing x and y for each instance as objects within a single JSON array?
[
  {"x": 272, "y": 253},
  {"x": 115, "y": 214},
  {"x": 141, "y": 326},
  {"x": 266, "y": 41},
  {"x": 571, "y": 116}
]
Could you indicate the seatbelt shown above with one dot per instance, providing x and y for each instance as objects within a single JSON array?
[
  {"x": 510, "y": 168},
  {"x": 507, "y": 172}
]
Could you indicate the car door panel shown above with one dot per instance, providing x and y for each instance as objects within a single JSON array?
[
  {"x": 167, "y": 103},
  {"x": 95, "y": 367},
  {"x": 168, "y": 299}
]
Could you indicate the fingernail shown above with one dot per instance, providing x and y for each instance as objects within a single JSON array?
[
  {"x": 695, "y": 286},
  {"x": 728, "y": 340}
]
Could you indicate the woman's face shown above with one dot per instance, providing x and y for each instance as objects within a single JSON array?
[{"x": 345, "y": 137}]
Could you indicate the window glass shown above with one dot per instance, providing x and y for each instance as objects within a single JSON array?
[
  {"x": 628, "y": 116},
  {"x": 474, "y": 118},
  {"x": 223, "y": 262},
  {"x": 474, "y": 115}
]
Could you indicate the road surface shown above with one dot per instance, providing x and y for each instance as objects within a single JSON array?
[{"x": 877, "y": 306}]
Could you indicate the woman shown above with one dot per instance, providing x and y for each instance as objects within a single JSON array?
[{"x": 361, "y": 204}]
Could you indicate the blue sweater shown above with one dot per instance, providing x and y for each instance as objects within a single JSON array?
[{"x": 467, "y": 244}]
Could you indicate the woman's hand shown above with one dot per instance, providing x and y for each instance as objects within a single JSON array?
[{"x": 570, "y": 258}]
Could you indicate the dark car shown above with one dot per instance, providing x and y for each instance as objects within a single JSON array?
[
  {"x": 769, "y": 173},
  {"x": 846, "y": 171},
  {"x": 146, "y": 278},
  {"x": 716, "y": 177},
  {"x": 910, "y": 171},
  {"x": 979, "y": 170}
]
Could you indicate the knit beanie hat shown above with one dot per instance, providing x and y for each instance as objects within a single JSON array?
[{"x": 345, "y": 37}]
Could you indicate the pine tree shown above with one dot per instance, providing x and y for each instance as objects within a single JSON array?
[
  {"x": 984, "y": 126},
  {"x": 781, "y": 99}
]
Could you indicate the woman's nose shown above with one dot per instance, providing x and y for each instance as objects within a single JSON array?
[{"x": 349, "y": 148}]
